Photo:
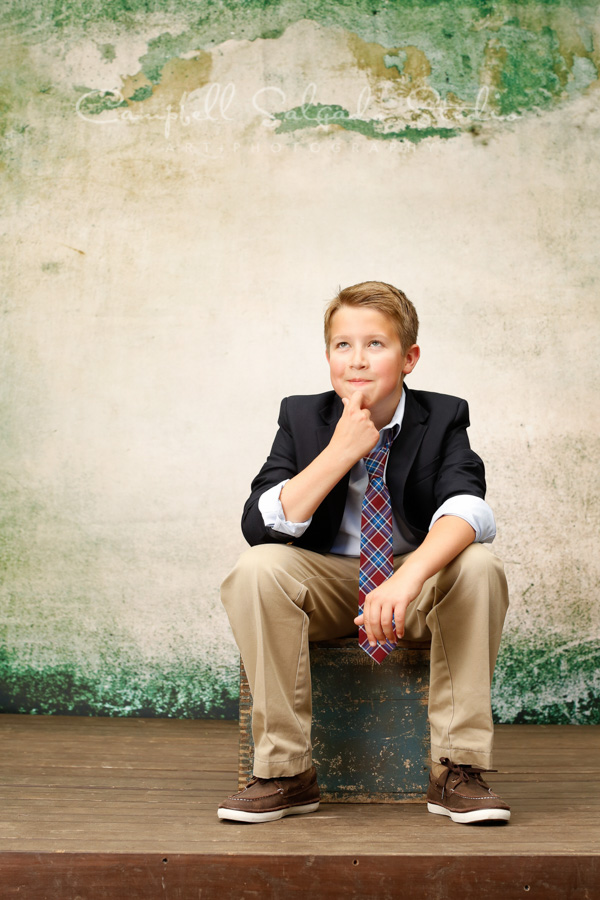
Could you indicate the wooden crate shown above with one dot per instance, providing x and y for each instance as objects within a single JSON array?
[{"x": 370, "y": 731}]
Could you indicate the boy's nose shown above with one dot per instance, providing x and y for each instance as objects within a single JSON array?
[{"x": 358, "y": 359}]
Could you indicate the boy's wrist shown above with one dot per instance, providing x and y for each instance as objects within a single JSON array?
[
  {"x": 338, "y": 460},
  {"x": 416, "y": 568}
]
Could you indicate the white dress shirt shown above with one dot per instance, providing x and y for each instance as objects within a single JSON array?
[{"x": 472, "y": 509}]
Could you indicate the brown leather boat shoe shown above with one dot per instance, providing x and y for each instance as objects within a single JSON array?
[
  {"x": 266, "y": 799},
  {"x": 461, "y": 793}
]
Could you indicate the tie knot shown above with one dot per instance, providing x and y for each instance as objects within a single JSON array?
[{"x": 376, "y": 460}]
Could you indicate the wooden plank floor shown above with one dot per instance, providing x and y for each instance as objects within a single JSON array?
[{"x": 127, "y": 808}]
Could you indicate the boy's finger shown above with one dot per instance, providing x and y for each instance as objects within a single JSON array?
[
  {"x": 363, "y": 619},
  {"x": 399, "y": 622},
  {"x": 389, "y": 631},
  {"x": 377, "y": 633},
  {"x": 373, "y": 628},
  {"x": 356, "y": 400}
]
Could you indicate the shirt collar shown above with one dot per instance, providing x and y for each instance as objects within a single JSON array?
[{"x": 396, "y": 420}]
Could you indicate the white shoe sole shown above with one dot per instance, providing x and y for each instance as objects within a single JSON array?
[
  {"x": 239, "y": 815},
  {"x": 476, "y": 815}
]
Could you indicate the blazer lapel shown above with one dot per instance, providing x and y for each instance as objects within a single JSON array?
[
  {"x": 405, "y": 448},
  {"x": 330, "y": 415}
]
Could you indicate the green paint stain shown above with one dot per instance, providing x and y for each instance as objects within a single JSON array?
[
  {"x": 395, "y": 62},
  {"x": 532, "y": 71},
  {"x": 583, "y": 73},
  {"x": 312, "y": 116},
  {"x": 533, "y": 54},
  {"x": 192, "y": 690},
  {"x": 96, "y": 102},
  {"x": 548, "y": 681},
  {"x": 108, "y": 52},
  {"x": 141, "y": 93},
  {"x": 68, "y": 12},
  {"x": 163, "y": 49},
  {"x": 587, "y": 38},
  {"x": 551, "y": 682}
]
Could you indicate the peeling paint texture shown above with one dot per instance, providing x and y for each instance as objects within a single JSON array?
[{"x": 184, "y": 184}]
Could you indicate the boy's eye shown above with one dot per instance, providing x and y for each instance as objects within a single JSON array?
[
  {"x": 376, "y": 344},
  {"x": 341, "y": 345}
]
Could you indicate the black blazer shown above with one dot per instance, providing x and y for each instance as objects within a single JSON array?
[{"x": 430, "y": 461}]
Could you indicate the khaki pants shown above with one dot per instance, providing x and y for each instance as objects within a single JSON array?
[{"x": 279, "y": 597}]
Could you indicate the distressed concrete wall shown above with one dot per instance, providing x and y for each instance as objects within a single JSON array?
[{"x": 184, "y": 185}]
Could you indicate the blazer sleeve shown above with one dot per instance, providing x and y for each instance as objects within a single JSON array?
[
  {"x": 461, "y": 470},
  {"x": 444, "y": 465},
  {"x": 280, "y": 464}
]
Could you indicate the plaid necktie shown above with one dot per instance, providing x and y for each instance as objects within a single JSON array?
[{"x": 376, "y": 555}]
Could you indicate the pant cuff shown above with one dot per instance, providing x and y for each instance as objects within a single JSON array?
[
  {"x": 282, "y": 768},
  {"x": 462, "y": 756}
]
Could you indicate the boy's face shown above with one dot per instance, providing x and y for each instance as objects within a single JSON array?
[{"x": 365, "y": 355}]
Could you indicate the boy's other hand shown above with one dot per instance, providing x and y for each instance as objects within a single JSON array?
[
  {"x": 386, "y": 606},
  {"x": 355, "y": 434},
  {"x": 447, "y": 537}
]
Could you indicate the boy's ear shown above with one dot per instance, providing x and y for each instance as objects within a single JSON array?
[{"x": 412, "y": 358}]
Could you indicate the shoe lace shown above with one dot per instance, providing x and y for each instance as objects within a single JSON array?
[
  {"x": 463, "y": 772},
  {"x": 274, "y": 781}
]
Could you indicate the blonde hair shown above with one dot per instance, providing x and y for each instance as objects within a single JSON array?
[{"x": 385, "y": 298}]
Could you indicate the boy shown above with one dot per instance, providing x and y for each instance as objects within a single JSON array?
[{"x": 299, "y": 580}]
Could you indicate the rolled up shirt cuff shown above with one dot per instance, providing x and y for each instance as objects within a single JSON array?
[
  {"x": 271, "y": 510},
  {"x": 473, "y": 510}
]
